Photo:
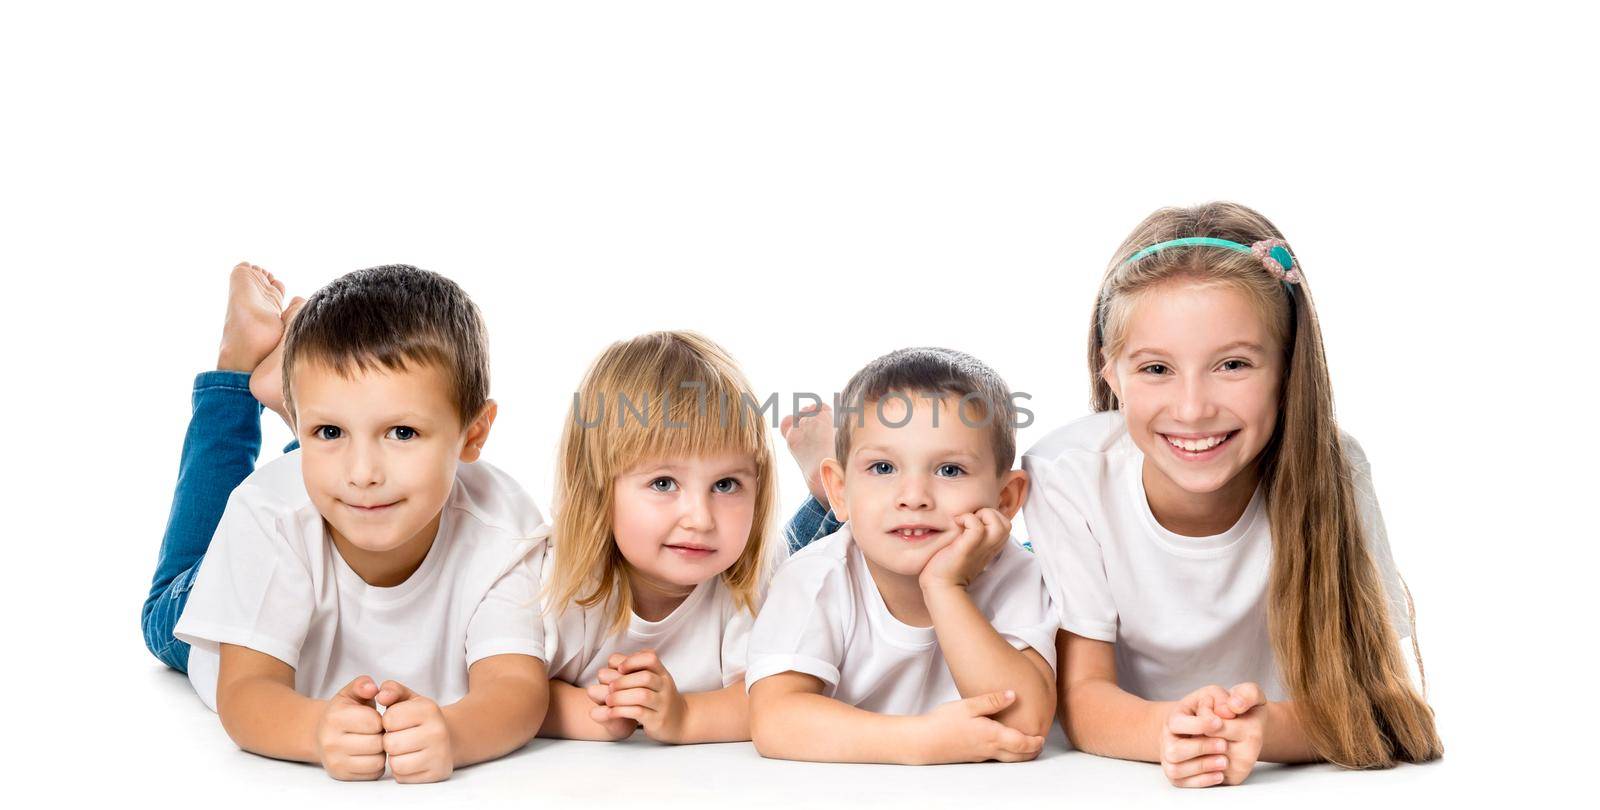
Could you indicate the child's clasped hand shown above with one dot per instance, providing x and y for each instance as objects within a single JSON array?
[
  {"x": 1214, "y": 736},
  {"x": 356, "y": 742}
]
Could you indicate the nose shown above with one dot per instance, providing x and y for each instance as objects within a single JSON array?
[
  {"x": 697, "y": 515},
  {"x": 1194, "y": 404},
  {"x": 364, "y": 468},
  {"x": 913, "y": 493}
]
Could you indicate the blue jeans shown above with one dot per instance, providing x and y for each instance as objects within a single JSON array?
[
  {"x": 811, "y": 522},
  {"x": 219, "y": 451}
]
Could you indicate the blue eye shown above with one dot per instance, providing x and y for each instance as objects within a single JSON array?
[
  {"x": 1235, "y": 365},
  {"x": 880, "y": 468},
  {"x": 669, "y": 484},
  {"x": 957, "y": 472},
  {"x": 726, "y": 486},
  {"x": 327, "y": 433},
  {"x": 401, "y": 433}
]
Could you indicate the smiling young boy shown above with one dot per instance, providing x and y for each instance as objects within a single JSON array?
[
  {"x": 919, "y": 632},
  {"x": 381, "y": 550}
]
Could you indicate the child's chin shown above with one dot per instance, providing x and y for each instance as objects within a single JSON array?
[
  {"x": 364, "y": 538},
  {"x": 905, "y": 563},
  {"x": 374, "y": 545},
  {"x": 686, "y": 574}
]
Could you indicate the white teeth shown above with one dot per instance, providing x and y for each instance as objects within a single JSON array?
[
  {"x": 1197, "y": 445},
  {"x": 912, "y": 532}
]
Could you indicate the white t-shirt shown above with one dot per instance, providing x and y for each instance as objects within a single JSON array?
[
  {"x": 273, "y": 581},
  {"x": 824, "y": 616},
  {"x": 1184, "y": 612},
  {"x": 701, "y": 642}
]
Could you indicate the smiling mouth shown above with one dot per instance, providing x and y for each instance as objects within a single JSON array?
[
  {"x": 914, "y": 533},
  {"x": 1198, "y": 446}
]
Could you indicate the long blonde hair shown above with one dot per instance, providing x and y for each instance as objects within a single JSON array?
[
  {"x": 1328, "y": 614},
  {"x": 656, "y": 396}
]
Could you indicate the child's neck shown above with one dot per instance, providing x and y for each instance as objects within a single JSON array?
[
  {"x": 902, "y": 595},
  {"x": 655, "y": 599},
  {"x": 1198, "y": 514},
  {"x": 386, "y": 569}
]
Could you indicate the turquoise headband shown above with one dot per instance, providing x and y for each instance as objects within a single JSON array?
[
  {"x": 1273, "y": 254},
  {"x": 1270, "y": 251}
]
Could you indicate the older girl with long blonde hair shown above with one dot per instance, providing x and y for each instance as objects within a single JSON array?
[{"x": 1211, "y": 539}]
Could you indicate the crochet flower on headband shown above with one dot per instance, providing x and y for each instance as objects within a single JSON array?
[{"x": 1275, "y": 256}]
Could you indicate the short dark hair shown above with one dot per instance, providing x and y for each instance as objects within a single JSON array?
[
  {"x": 929, "y": 370},
  {"x": 388, "y": 317}
]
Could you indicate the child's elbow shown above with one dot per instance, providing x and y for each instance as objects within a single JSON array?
[
  {"x": 1032, "y": 722},
  {"x": 229, "y": 713},
  {"x": 765, "y": 735},
  {"x": 1037, "y": 716},
  {"x": 1080, "y": 733},
  {"x": 768, "y": 732},
  {"x": 1038, "y": 726},
  {"x": 1063, "y": 717}
]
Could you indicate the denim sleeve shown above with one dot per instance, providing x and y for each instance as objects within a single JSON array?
[{"x": 811, "y": 522}]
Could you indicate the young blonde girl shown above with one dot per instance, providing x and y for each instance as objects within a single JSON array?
[
  {"x": 1210, "y": 537},
  {"x": 664, "y": 494}
]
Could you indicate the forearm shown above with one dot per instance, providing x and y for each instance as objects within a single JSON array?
[
  {"x": 1100, "y": 718},
  {"x": 814, "y": 728},
  {"x": 1284, "y": 738},
  {"x": 568, "y": 717},
  {"x": 982, "y": 661},
  {"x": 496, "y": 719},
  {"x": 720, "y": 716},
  {"x": 268, "y": 718}
]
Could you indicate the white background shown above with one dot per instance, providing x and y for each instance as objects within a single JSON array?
[{"x": 811, "y": 185}]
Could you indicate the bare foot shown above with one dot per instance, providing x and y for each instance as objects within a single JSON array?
[
  {"x": 254, "y": 323},
  {"x": 266, "y": 380},
  {"x": 810, "y": 437}
]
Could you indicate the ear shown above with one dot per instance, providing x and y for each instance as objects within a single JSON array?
[
  {"x": 478, "y": 432},
  {"x": 1013, "y": 493},
  {"x": 1108, "y": 372},
  {"x": 833, "y": 482}
]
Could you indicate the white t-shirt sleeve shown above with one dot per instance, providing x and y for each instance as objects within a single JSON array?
[
  {"x": 254, "y": 588},
  {"x": 802, "y": 626},
  {"x": 1021, "y": 612},
  {"x": 1070, "y": 555},
  {"x": 1377, "y": 536},
  {"x": 736, "y": 644},
  {"x": 508, "y": 619}
]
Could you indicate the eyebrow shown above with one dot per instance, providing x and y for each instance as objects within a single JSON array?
[
  {"x": 392, "y": 419},
  {"x": 1237, "y": 344},
  {"x": 944, "y": 453},
  {"x": 746, "y": 469}
]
